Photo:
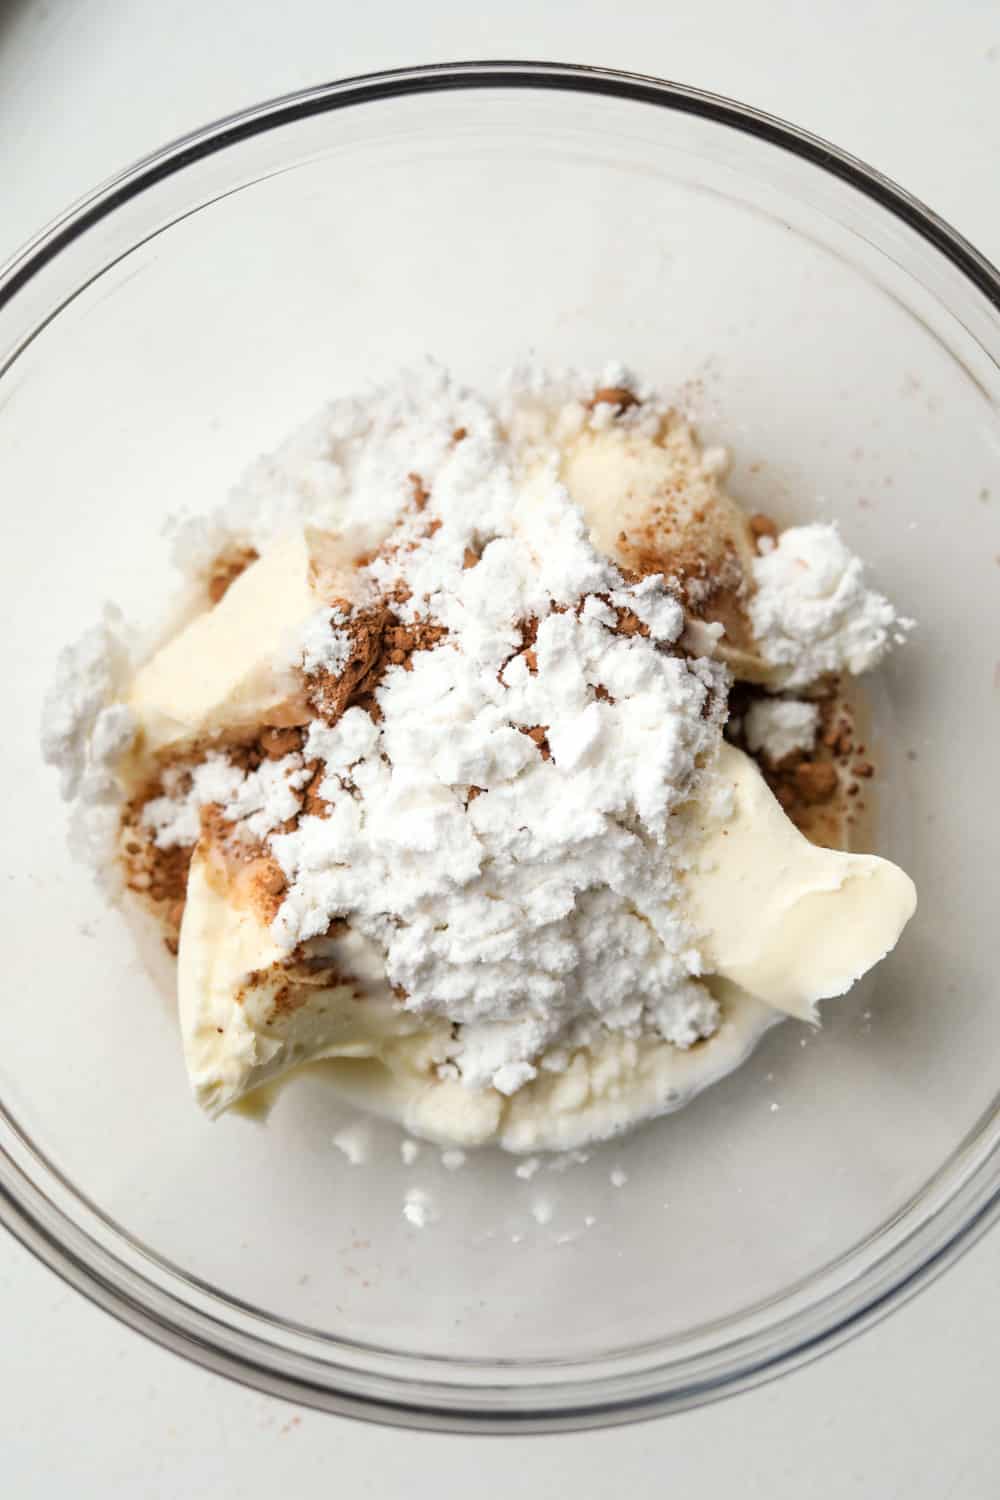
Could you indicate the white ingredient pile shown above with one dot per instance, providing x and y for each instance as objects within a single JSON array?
[{"x": 539, "y": 915}]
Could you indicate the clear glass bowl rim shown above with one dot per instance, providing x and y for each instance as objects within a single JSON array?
[{"x": 441, "y": 1393}]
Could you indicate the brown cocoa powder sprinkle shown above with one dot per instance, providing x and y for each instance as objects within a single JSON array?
[
  {"x": 458, "y": 435},
  {"x": 839, "y": 738},
  {"x": 226, "y": 569},
  {"x": 272, "y": 881},
  {"x": 422, "y": 635},
  {"x": 801, "y": 787},
  {"x": 255, "y": 877},
  {"x": 529, "y": 635},
  {"x": 160, "y": 873},
  {"x": 762, "y": 526},
  {"x": 275, "y": 744},
  {"x": 285, "y": 1001},
  {"x": 169, "y": 874},
  {"x": 379, "y": 639},
  {"x": 812, "y": 787},
  {"x": 469, "y": 558},
  {"x": 539, "y": 733},
  {"x": 618, "y": 396},
  {"x": 815, "y": 781},
  {"x": 305, "y": 975},
  {"x": 216, "y": 827},
  {"x": 630, "y": 624},
  {"x": 332, "y": 694},
  {"x": 421, "y": 494},
  {"x": 785, "y": 795},
  {"x": 246, "y": 757},
  {"x": 159, "y": 876}
]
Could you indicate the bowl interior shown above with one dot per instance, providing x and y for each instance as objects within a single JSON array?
[{"x": 843, "y": 365}]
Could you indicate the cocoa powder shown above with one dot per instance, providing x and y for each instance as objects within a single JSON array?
[
  {"x": 226, "y": 569},
  {"x": 379, "y": 639},
  {"x": 421, "y": 494},
  {"x": 158, "y": 876},
  {"x": 814, "y": 789},
  {"x": 275, "y": 744},
  {"x": 618, "y": 396},
  {"x": 762, "y": 526},
  {"x": 815, "y": 780},
  {"x": 539, "y": 733}
]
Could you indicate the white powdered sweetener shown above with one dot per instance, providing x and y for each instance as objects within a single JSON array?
[
  {"x": 85, "y": 732},
  {"x": 777, "y": 727},
  {"x": 812, "y": 613},
  {"x": 528, "y": 899}
]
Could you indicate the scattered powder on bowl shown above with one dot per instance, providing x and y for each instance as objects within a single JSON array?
[
  {"x": 355, "y": 1142},
  {"x": 419, "y": 1208}
]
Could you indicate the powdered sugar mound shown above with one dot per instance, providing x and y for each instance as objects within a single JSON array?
[
  {"x": 812, "y": 613},
  {"x": 777, "y": 727},
  {"x": 350, "y": 740},
  {"x": 85, "y": 733},
  {"x": 546, "y": 905},
  {"x": 83, "y": 730},
  {"x": 347, "y": 469}
]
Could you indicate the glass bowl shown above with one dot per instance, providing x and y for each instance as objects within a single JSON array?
[{"x": 844, "y": 343}]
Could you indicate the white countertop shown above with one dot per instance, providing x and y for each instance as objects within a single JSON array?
[{"x": 89, "y": 1408}]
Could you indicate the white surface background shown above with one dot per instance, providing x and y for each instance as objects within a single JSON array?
[{"x": 88, "y": 1408}]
